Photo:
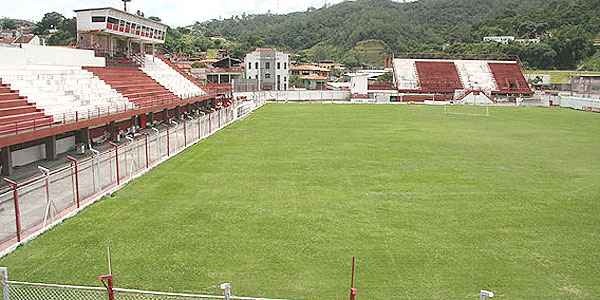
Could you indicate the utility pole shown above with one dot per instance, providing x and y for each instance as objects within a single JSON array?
[{"x": 125, "y": 4}]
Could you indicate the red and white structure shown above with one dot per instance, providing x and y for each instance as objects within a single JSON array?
[
  {"x": 53, "y": 99},
  {"x": 446, "y": 79}
]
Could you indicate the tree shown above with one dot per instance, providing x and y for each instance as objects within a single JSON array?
[
  {"x": 50, "y": 21},
  {"x": 6, "y": 23}
]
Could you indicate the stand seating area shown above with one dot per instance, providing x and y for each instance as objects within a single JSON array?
[
  {"x": 438, "y": 77},
  {"x": 17, "y": 114},
  {"x": 65, "y": 93},
  {"x": 509, "y": 78},
  {"x": 134, "y": 85},
  {"x": 170, "y": 78}
]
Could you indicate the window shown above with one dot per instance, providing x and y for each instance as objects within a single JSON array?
[
  {"x": 113, "y": 20},
  {"x": 278, "y": 66},
  {"x": 98, "y": 19},
  {"x": 267, "y": 65},
  {"x": 249, "y": 66},
  {"x": 268, "y": 76},
  {"x": 256, "y": 66},
  {"x": 285, "y": 66},
  {"x": 256, "y": 77}
]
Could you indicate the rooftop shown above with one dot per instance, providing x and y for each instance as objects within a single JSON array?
[{"x": 120, "y": 11}]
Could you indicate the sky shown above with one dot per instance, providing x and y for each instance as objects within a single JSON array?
[{"x": 172, "y": 12}]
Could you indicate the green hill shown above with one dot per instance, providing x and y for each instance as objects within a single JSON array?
[{"x": 453, "y": 26}]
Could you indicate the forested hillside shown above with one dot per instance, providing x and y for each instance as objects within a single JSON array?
[{"x": 566, "y": 27}]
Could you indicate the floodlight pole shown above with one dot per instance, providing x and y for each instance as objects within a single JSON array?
[{"x": 125, "y": 4}]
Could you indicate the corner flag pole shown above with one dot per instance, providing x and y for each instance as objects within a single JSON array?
[{"x": 353, "y": 290}]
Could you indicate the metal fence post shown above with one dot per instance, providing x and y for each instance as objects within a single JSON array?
[
  {"x": 4, "y": 283},
  {"x": 184, "y": 133},
  {"x": 76, "y": 174},
  {"x": 107, "y": 281},
  {"x": 117, "y": 160},
  {"x": 200, "y": 128},
  {"x": 14, "y": 185},
  {"x": 147, "y": 156},
  {"x": 226, "y": 287},
  {"x": 168, "y": 143}
]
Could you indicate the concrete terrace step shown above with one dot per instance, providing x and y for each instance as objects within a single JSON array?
[
  {"x": 17, "y": 110},
  {"x": 21, "y": 117},
  {"x": 9, "y": 96},
  {"x": 13, "y": 103}
]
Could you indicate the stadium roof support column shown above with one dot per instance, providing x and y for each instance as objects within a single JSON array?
[
  {"x": 51, "y": 147},
  {"x": 83, "y": 136},
  {"x": 6, "y": 161}
]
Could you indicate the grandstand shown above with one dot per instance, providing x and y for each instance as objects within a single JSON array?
[
  {"x": 422, "y": 79},
  {"x": 115, "y": 84}
]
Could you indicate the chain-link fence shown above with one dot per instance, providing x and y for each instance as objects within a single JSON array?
[
  {"x": 17, "y": 290},
  {"x": 32, "y": 207}
]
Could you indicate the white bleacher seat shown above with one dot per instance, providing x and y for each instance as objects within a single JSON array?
[
  {"x": 64, "y": 92},
  {"x": 476, "y": 75},
  {"x": 170, "y": 78},
  {"x": 406, "y": 74}
]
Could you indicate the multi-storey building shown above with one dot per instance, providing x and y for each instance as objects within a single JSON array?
[{"x": 269, "y": 67}]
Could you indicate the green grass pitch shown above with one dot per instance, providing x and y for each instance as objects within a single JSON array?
[{"x": 433, "y": 206}]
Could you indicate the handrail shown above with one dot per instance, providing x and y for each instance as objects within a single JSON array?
[{"x": 73, "y": 117}]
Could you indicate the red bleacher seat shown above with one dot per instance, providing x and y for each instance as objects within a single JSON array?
[
  {"x": 509, "y": 78},
  {"x": 134, "y": 84},
  {"x": 16, "y": 114},
  {"x": 438, "y": 77}
]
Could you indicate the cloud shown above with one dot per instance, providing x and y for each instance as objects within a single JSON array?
[{"x": 173, "y": 12}]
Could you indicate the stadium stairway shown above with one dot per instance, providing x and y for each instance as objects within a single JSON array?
[
  {"x": 65, "y": 93},
  {"x": 17, "y": 114},
  {"x": 134, "y": 85},
  {"x": 178, "y": 84}
]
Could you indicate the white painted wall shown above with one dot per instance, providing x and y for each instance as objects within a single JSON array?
[
  {"x": 28, "y": 155},
  {"x": 42, "y": 55},
  {"x": 578, "y": 102},
  {"x": 359, "y": 84},
  {"x": 32, "y": 154},
  {"x": 65, "y": 145},
  {"x": 297, "y": 95},
  {"x": 405, "y": 74}
]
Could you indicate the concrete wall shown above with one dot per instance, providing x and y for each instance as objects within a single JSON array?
[
  {"x": 42, "y": 55},
  {"x": 297, "y": 95},
  {"x": 32, "y": 154},
  {"x": 579, "y": 102}
]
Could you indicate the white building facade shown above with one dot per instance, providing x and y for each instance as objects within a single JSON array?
[
  {"x": 269, "y": 67},
  {"x": 115, "y": 32}
]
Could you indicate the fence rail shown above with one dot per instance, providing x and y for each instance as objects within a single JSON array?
[
  {"x": 19, "y": 290},
  {"x": 32, "y": 207}
]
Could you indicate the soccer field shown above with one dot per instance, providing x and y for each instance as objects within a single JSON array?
[{"x": 434, "y": 206}]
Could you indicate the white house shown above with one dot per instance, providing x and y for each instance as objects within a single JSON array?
[
  {"x": 499, "y": 39},
  {"x": 270, "y": 67}
]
